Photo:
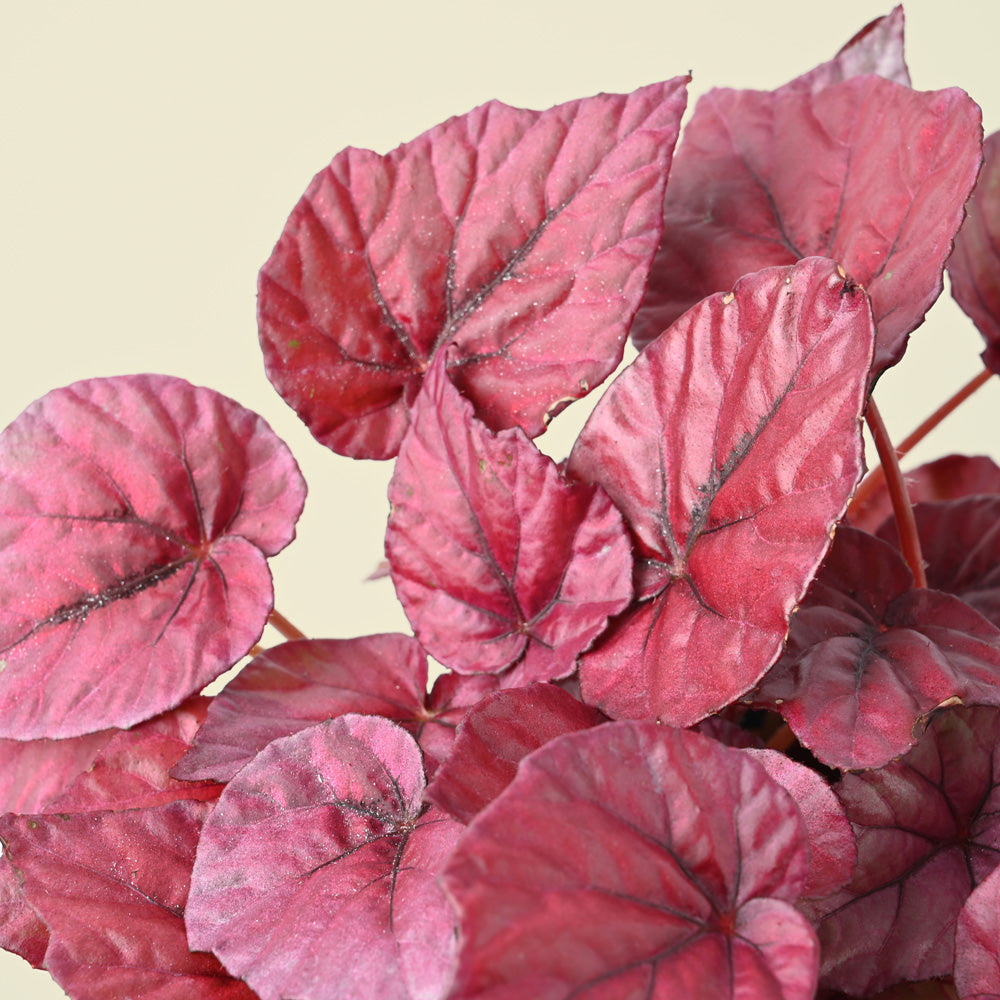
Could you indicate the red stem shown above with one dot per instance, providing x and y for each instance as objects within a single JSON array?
[
  {"x": 277, "y": 620},
  {"x": 874, "y": 480},
  {"x": 906, "y": 524}
]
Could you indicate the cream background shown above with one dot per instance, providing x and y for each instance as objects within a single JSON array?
[{"x": 151, "y": 153}]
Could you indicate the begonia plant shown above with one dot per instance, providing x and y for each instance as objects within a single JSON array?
[{"x": 702, "y": 711}]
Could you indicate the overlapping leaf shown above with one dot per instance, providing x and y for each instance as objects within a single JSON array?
[
  {"x": 112, "y": 887},
  {"x": 525, "y": 237},
  {"x": 300, "y": 683},
  {"x": 974, "y": 267},
  {"x": 493, "y": 739},
  {"x": 135, "y": 517},
  {"x": 876, "y": 48},
  {"x": 928, "y": 831},
  {"x": 344, "y": 902},
  {"x": 977, "y": 942},
  {"x": 681, "y": 887},
  {"x": 731, "y": 446},
  {"x": 865, "y": 171},
  {"x": 496, "y": 558},
  {"x": 868, "y": 656}
]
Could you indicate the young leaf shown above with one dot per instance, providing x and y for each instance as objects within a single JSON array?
[
  {"x": 345, "y": 903},
  {"x": 681, "y": 885},
  {"x": 112, "y": 887},
  {"x": 731, "y": 446},
  {"x": 974, "y": 267},
  {"x": 136, "y": 515},
  {"x": 496, "y": 558},
  {"x": 928, "y": 831},
  {"x": 523, "y": 236},
  {"x": 865, "y": 171}
]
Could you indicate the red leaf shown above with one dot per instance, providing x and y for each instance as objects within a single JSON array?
[
  {"x": 731, "y": 446},
  {"x": 876, "y": 48},
  {"x": 346, "y": 903},
  {"x": 22, "y": 931},
  {"x": 977, "y": 942},
  {"x": 135, "y": 517},
  {"x": 865, "y": 171},
  {"x": 493, "y": 739},
  {"x": 679, "y": 887},
  {"x": 868, "y": 657},
  {"x": 928, "y": 831},
  {"x": 112, "y": 888},
  {"x": 945, "y": 478},
  {"x": 300, "y": 683},
  {"x": 495, "y": 557},
  {"x": 832, "y": 851},
  {"x": 974, "y": 267},
  {"x": 523, "y": 236}
]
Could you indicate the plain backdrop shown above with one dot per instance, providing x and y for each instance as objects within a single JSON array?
[{"x": 152, "y": 151}]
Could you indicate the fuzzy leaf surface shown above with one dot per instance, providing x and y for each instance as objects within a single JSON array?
[
  {"x": 302, "y": 682},
  {"x": 141, "y": 510},
  {"x": 681, "y": 886},
  {"x": 868, "y": 656},
  {"x": 731, "y": 446},
  {"x": 977, "y": 942},
  {"x": 496, "y": 558},
  {"x": 523, "y": 236},
  {"x": 865, "y": 171},
  {"x": 974, "y": 267},
  {"x": 927, "y": 828},
  {"x": 112, "y": 887},
  {"x": 494, "y": 737},
  {"x": 346, "y": 904}
]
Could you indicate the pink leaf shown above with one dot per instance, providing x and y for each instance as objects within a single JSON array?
[
  {"x": 346, "y": 903},
  {"x": 136, "y": 516},
  {"x": 300, "y": 683},
  {"x": 865, "y": 171},
  {"x": 112, "y": 887},
  {"x": 977, "y": 942},
  {"x": 974, "y": 267},
  {"x": 928, "y": 831},
  {"x": 495, "y": 557},
  {"x": 731, "y": 446},
  {"x": 869, "y": 656},
  {"x": 523, "y": 236},
  {"x": 876, "y": 48},
  {"x": 22, "y": 930},
  {"x": 680, "y": 885},
  {"x": 493, "y": 739}
]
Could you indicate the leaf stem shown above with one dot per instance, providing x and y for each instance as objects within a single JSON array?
[
  {"x": 906, "y": 524},
  {"x": 874, "y": 480},
  {"x": 278, "y": 621}
]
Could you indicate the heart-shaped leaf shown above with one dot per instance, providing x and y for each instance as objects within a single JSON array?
[
  {"x": 974, "y": 267},
  {"x": 868, "y": 656},
  {"x": 865, "y": 171},
  {"x": 347, "y": 903},
  {"x": 680, "y": 886},
  {"x": 112, "y": 887},
  {"x": 928, "y": 831},
  {"x": 731, "y": 446},
  {"x": 136, "y": 514},
  {"x": 523, "y": 236},
  {"x": 496, "y": 558}
]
